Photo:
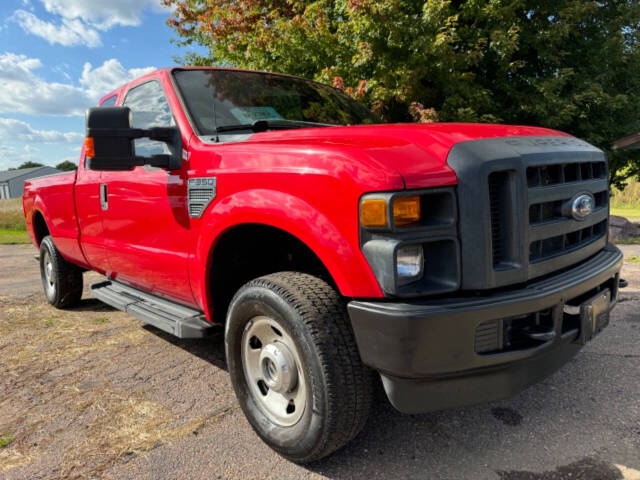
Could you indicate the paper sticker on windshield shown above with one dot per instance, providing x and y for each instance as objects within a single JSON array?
[{"x": 253, "y": 114}]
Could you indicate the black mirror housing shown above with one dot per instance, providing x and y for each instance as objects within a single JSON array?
[
  {"x": 101, "y": 121},
  {"x": 112, "y": 134}
]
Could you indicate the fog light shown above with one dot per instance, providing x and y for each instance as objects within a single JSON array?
[{"x": 409, "y": 264}]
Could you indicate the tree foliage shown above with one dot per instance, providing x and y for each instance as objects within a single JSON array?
[
  {"x": 67, "y": 166},
  {"x": 30, "y": 164},
  {"x": 573, "y": 65}
]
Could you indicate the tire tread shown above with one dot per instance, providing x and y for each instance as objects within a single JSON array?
[
  {"x": 349, "y": 383},
  {"x": 68, "y": 277}
]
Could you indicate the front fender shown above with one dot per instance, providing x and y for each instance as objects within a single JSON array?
[{"x": 337, "y": 248}]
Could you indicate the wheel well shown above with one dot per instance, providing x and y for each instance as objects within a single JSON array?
[
  {"x": 250, "y": 251},
  {"x": 40, "y": 227}
]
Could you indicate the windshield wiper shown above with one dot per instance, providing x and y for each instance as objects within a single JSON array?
[{"x": 264, "y": 125}]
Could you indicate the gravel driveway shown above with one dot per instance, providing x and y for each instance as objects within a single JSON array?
[{"x": 92, "y": 393}]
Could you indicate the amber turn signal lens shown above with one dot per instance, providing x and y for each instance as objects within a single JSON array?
[
  {"x": 373, "y": 213},
  {"x": 89, "y": 149},
  {"x": 406, "y": 210}
]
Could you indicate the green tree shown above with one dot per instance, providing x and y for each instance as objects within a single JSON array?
[
  {"x": 572, "y": 65},
  {"x": 67, "y": 166},
  {"x": 30, "y": 165}
]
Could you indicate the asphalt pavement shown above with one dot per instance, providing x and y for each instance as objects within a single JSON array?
[{"x": 581, "y": 423}]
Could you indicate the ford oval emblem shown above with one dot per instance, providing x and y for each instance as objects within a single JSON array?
[{"x": 582, "y": 206}]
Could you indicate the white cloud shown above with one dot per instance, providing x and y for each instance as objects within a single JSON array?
[
  {"x": 12, "y": 157},
  {"x": 68, "y": 33},
  {"x": 110, "y": 75},
  {"x": 23, "y": 91},
  {"x": 77, "y": 21},
  {"x": 103, "y": 14},
  {"x": 14, "y": 67},
  {"x": 12, "y": 129}
]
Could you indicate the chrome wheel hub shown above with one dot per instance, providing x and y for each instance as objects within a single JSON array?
[
  {"x": 272, "y": 368},
  {"x": 278, "y": 367},
  {"x": 49, "y": 282}
]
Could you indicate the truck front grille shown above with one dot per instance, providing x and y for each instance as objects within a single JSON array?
[
  {"x": 565, "y": 173},
  {"x": 515, "y": 198},
  {"x": 550, "y": 211},
  {"x": 551, "y": 247},
  {"x": 552, "y": 232}
]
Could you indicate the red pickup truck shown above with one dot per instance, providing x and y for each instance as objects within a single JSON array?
[{"x": 460, "y": 262}]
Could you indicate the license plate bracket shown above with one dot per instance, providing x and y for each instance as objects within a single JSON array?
[{"x": 594, "y": 315}]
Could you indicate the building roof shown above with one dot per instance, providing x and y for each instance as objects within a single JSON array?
[
  {"x": 7, "y": 175},
  {"x": 632, "y": 142}
]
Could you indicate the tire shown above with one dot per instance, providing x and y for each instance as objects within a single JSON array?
[
  {"x": 307, "y": 320},
  {"x": 61, "y": 280}
]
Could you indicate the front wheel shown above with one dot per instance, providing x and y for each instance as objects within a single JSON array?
[
  {"x": 295, "y": 367},
  {"x": 62, "y": 281}
]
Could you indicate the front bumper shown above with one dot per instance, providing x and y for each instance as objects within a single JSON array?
[{"x": 427, "y": 351}]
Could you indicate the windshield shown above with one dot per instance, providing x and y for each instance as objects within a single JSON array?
[{"x": 243, "y": 98}]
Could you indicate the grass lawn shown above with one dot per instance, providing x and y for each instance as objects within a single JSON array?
[
  {"x": 627, "y": 241},
  {"x": 11, "y": 216},
  {"x": 632, "y": 212},
  {"x": 633, "y": 259},
  {"x": 13, "y": 237},
  {"x": 5, "y": 440},
  {"x": 626, "y": 203},
  {"x": 12, "y": 228}
]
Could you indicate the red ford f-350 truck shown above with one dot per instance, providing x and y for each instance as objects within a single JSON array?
[{"x": 461, "y": 262}]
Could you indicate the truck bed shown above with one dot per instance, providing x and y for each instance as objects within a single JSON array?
[{"x": 52, "y": 197}]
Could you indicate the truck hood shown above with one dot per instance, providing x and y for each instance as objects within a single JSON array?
[{"x": 418, "y": 152}]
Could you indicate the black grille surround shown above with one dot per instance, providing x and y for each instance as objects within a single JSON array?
[
  {"x": 514, "y": 198},
  {"x": 497, "y": 183}
]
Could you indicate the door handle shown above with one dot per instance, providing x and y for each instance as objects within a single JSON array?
[{"x": 104, "y": 202}]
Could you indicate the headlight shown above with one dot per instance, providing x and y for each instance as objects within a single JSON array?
[
  {"x": 410, "y": 240},
  {"x": 409, "y": 263},
  {"x": 405, "y": 211}
]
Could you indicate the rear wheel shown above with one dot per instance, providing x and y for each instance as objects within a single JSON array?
[
  {"x": 62, "y": 281},
  {"x": 295, "y": 366}
]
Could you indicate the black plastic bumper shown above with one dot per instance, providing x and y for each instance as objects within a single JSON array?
[{"x": 426, "y": 351}]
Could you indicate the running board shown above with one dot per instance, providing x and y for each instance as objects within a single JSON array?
[{"x": 173, "y": 318}]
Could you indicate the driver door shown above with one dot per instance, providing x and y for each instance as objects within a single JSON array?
[{"x": 145, "y": 217}]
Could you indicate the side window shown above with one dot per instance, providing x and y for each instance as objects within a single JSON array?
[
  {"x": 150, "y": 108},
  {"x": 110, "y": 102}
]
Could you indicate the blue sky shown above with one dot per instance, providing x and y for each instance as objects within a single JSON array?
[{"x": 57, "y": 57}]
